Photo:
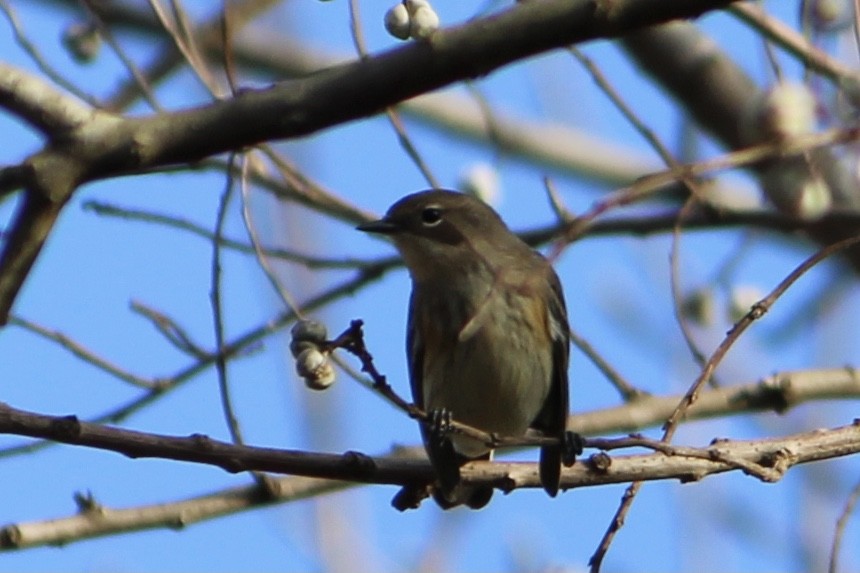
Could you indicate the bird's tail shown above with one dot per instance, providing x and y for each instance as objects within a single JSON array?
[
  {"x": 474, "y": 497},
  {"x": 550, "y": 469}
]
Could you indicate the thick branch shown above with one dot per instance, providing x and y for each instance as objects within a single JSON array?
[
  {"x": 767, "y": 460},
  {"x": 96, "y": 520},
  {"x": 201, "y": 449},
  {"x": 777, "y": 393},
  {"x": 111, "y": 146},
  {"x": 358, "y": 467},
  {"x": 366, "y": 87},
  {"x": 39, "y": 103}
]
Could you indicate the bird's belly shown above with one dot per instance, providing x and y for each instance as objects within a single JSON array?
[{"x": 496, "y": 385}]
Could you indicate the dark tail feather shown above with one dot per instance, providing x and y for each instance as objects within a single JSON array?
[
  {"x": 410, "y": 497},
  {"x": 449, "y": 495},
  {"x": 550, "y": 469},
  {"x": 474, "y": 497}
]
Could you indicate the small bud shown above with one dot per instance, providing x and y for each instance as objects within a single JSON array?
[
  {"x": 424, "y": 22},
  {"x": 482, "y": 181},
  {"x": 815, "y": 199},
  {"x": 794, "y": 189},
  {"x": 312, "y": 330},
  {"x": 315, "y": 368},
  {"x": 397, "y": 21},
  {"x": 307, "y": 334},
  {"x": 299, "y": 346},
  {"x": 83, "y": 41},
  {"x": 831, "y": 15},
  {"x": 784, "y": 111},
  {"x": 698, "y": 306},
  {"x": 742, "y": 300}
]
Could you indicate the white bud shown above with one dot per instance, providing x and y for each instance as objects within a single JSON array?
[
  {"x": 731, "y": 195},
  {"x": 413, "y": 5},
  {"x": 815, "y": 199},
  {"x": 424, "y": 23},
  {"x": 312, "y": 330},
  {"x": 793, "y": 188},
  {"x": 397, "y": 21},
  {"x": 742, "y": 300},
  {"x": 784, "y": 111},
  {"x": 831, "y": 15},
  {"x": 482, "y": 181},
  {"x": 315, "y": 368},
  {"x": 83, "y": 41}
]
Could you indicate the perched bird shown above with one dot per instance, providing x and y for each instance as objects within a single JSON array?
[{"x": 487, "y": 339}]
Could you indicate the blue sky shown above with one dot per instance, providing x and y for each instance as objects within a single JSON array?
[{"x": 618, "y": 295}]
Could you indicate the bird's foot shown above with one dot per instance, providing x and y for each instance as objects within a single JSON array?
[{"x": 572, "y": 445}]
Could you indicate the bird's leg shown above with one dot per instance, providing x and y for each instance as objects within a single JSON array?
[
  {"x": 571, "y": 446},
  {"x": 441, "y": 449}
]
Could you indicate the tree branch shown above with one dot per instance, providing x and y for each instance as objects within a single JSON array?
[
  {"x": 363, "y": 88},
  {"x": 767, "y": 460}
]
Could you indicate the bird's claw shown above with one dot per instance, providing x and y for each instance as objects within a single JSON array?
[{"x": 572, "y": 445}]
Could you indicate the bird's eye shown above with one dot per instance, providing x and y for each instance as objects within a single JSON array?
[{"x": 431, "y": 216}]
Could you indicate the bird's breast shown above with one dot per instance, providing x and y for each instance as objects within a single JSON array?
[{"x": 498, "y": 375}]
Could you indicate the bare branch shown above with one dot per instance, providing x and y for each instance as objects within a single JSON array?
[
  {"x": 39, "y": 103},
  {"x": 766, "y": 459},
  {"x": 99, "y": 520},
  {"x": 841, "y": 523},
  {"x": 777, "y": 393}
]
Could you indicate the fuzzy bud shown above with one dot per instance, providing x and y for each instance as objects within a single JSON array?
[
  {"x": 425, "y": 21},
  {"x": 742, "y": 300},
  {"x": 316, "y": 370},
  {"x": 83, "y": 42},
  {"x": 793, "y": 189},
  {"x": 698, "y": 306},
  {"x": 397, "y": 21},
  {"x": 307, "y": 334},
  {"x": 784, "y": 111},
  {"x": 831, "y": 15},
  {"x": 481, "y": 180}
]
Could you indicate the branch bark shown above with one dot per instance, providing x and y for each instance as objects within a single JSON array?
[
  {"x": 303, "y": 106},
  {"x": 767, "y": 460},
  {"x": 359, "y": 467},
  {"x": 776, "y": 393}
]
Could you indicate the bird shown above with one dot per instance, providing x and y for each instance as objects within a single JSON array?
[{"x": 487, "y": 338}]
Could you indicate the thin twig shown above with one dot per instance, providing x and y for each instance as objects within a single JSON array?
[
  {"x": 239, "y": 345},
  {"x": 227, "y": 32},
  {"x": 393, "y": 117},
  {"x": 217, "y": 311},
  {"x": 36, "y": 55},
  {"x": 793, "y": 42},
  {"x": 174, "y": 27},
  {"x": 180, "y": 223},
  {"x": 757, "y": 311},
  {"x": 352, "y": 340},
  {"x": 841, "y": 524},
  {"x": 86, "y": 355},
  {"x": 286, "y": 297},
  {"x": 170, "y": 330},
  {"x": 675, "y": 286},
  {"x": 104, "y": 30}
]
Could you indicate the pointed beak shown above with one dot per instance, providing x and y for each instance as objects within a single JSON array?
[{"x": 382, "y": 226}]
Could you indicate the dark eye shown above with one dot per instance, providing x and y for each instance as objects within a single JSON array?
[{"x": 431, "y": 216}]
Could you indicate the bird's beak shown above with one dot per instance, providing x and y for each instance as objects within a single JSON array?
[{"x": 382, "y": 226}]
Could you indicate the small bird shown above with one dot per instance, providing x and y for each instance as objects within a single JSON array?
[{"x": 487, "y": 338}]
